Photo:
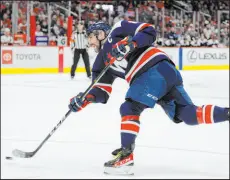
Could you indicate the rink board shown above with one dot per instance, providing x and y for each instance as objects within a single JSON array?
[
  {"x": 29, "y": 59},
  {"x": 205, "y": 58}
]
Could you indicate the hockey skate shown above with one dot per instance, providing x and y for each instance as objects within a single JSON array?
[
  {"x": 122, "y": 164},
  {"x": 116, "y": 151}
]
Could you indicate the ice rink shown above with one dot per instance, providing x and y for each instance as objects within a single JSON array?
[{"x": 31, "y": 105}]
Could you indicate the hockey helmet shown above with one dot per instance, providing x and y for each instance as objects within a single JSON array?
[{"x": 100, "y": 25}]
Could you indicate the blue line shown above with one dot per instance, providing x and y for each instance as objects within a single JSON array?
[{"x": 180, "y": 58}]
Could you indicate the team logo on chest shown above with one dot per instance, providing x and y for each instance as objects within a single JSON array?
[{"x": 120, "y": 66}]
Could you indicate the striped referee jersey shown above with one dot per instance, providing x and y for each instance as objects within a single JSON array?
[{"x": 79, "y": 40}]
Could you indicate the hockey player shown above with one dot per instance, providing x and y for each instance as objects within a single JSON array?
[{"x": 152, "y": 79}]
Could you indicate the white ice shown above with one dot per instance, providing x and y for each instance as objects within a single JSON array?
[{"x": 31, "y": 105}]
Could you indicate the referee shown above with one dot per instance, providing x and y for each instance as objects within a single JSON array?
[{"x": 79, "y": 44}]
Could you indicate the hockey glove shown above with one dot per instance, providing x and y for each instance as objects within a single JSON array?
[
  {"x": 77, "y": 104},
  {"x": 121, "y": 49}
]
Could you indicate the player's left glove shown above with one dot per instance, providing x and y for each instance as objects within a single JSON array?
[
  {"x": 122, "y": 48},
  {"x": 77, "y": 104}
]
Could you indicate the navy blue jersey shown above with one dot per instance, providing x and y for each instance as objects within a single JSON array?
[{"x": 137, "y": 62}]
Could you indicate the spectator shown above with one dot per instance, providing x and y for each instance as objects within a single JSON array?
[
  {"x": 191, "y": 31},
  {"x": 6, "y": 21},
  {"x": 54, "y": 20},
  {"x": 62, "y": 30},
  {"x": 181, "y": 41},
  {"x": 194, "y": 42},
  {"x": 55, "y": 30},
  {"x": 52, "y": 40},
  {"x": 7, "y": 39},
  {"x": 210, "y": 42},
  {"x": 44, "y": 27},
  {"x": 22, "y": 27},
  {"x": 19, "y": 41},
  {"x": 215, "y": 42},
  {"x": 38, "y": 31},
  {"x": 207, "y": 30},
  {"x": 202, "y": 41},
  {"x": 159, "y": 41},
  {"x": 172, "y": 34},
  {"x": 2, "y": 28}
]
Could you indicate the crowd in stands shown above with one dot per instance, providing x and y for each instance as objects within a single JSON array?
[{"x": 178, "y": 28}]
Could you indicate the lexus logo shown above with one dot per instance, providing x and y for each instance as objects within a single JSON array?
[{"x": 192, "y": 56}]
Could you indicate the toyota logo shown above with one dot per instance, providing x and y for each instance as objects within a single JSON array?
[{"x": 7, "y": 57}]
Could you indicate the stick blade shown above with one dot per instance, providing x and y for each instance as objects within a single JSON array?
[{"x": 22, "y": 154}]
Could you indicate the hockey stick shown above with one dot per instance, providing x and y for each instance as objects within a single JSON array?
[{"x": 23, "y": 154}]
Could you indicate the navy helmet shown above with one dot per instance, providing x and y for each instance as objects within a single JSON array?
[{"x": 99, "y": 26}]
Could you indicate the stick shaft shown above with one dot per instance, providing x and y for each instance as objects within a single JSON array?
[{"x": 68, "y": 113}]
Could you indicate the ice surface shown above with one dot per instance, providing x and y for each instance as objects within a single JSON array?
[{"x": 31, "y": 105}]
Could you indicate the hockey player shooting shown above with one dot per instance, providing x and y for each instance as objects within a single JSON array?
[{"x": 152, "y": 79}]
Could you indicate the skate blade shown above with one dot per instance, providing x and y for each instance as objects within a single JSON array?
[{"x": 123, "y": 170}]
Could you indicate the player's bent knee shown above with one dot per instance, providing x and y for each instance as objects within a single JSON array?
[{"x": 130, "y": 107}]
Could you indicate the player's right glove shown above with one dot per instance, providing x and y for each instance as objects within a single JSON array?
[
  {"x": 77, "y": 104},
  {"x": 121, "y": 49}
]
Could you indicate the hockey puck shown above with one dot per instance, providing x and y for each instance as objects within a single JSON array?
[{"x": 9, "y": 158}]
